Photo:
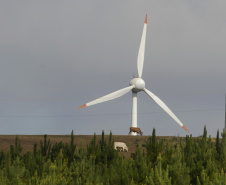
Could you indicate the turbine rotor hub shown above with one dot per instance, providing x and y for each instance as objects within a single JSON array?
[{"x": 138, "y": 83}]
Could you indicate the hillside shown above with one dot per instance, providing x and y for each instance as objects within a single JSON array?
[
  {"x": 165, "y": 160},
  {"x": 27, "y": 141}
]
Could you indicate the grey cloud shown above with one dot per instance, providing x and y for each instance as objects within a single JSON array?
[{"x": 58, "y": 55}]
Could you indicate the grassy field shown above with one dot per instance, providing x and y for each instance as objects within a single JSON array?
[{"x": 27, "y": 141}]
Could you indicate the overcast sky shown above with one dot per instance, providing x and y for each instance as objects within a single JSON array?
[{"x": 57, "y": 55}]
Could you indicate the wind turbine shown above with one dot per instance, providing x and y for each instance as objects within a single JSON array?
[{"x": 137, "y": 85}]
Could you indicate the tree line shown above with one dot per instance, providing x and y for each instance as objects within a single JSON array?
[{"x": 193, "y": 161}]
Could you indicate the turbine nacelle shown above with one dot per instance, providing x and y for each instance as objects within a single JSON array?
[{"x": 138, "y": 84}]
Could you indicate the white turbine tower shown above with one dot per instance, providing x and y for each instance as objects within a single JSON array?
[{"x": 137, "y": 85}]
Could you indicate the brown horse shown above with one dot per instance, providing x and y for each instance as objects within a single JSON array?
[{"x": 135, "y": 129}]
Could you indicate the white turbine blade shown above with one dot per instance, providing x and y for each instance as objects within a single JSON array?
[
  {"x": 140, "y": 59},
  {"x": 164, "y": 107},
  {"x": 108, "y": 97}
]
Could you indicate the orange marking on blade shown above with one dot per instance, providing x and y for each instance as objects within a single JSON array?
[
  {"x": 145, "y": 19},
  {"x": 82, "y": 106},
  {"x": 185, "y": 128}
]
